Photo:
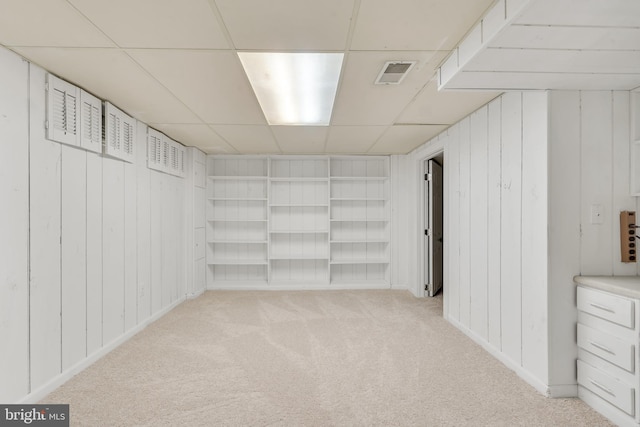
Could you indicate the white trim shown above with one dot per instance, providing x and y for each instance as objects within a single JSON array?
[
  {"x": 41, "y": 392},
  {"x": 528, "y": 377},
  {"x": 298, "y": 287}
]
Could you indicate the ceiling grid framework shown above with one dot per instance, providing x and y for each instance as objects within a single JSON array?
[{"x": 174, "y": 65}]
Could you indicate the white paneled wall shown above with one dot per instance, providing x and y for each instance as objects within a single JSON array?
[
  {"x": 589, "y": 165},
  {"x": 14, "y": 228},
  {"x": 496, "y": 231},
  {"x": 102, "y": 239},
  {"x": 523, "y": 174}
]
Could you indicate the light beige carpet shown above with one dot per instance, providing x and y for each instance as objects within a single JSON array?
[{"x": 336, "y": 358}]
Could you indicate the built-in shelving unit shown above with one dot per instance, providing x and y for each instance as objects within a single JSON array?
[
  {"x": 359, "y": 220},
  {"x": 298, "y": 221},
  {"x": 237, "y": 218},
  {"x": 299, "y": 225}
]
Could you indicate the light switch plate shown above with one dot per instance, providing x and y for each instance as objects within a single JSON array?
[{"x": 597, "y": 214}]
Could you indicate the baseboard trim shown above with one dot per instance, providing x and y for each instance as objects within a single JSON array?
[
  {"x": 528, "y": 377},
  {"x": 311, "y": 287},
  {"x": 196, "y": 294},
  {"x": 42, "y": 391}
]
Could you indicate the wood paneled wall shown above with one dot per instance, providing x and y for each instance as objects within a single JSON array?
[{"x": 91, "y": 247}]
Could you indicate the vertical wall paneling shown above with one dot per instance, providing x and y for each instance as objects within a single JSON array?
[
  {"x": 564, "y": 232},
  {"x": 156, "y": 181},
  {"x": 130, "y": 245},
  {"x": 534, "y": 234},
  {"x": 169, "y": 243},
  {"x": 74, "y": 256},
  {"x": 478, "y": 238},
  {"x": 44, "y": 225},
  {"x": 494, "y": 201},
  {"x": 511, "y": 214},
  {"x": 143, "y": 227},
  {"x": 180, "y": 208},
  {"x": 463, "y": 225},
  {"x": 14, "y": 227},
  {"x": 113, "y": 249},
  {"x": 597, "y": 183},
  {"x": 94, "y": 252},
  {"x": 621, "y": 172},
  {"x": 452, "y": 154}
]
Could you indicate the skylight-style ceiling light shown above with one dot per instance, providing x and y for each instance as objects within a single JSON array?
[{"x": 294, "y": 88}]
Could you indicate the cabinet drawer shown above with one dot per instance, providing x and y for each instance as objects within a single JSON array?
[
  {"x": 610, "y": 307},
  {"x": 616, "y": 392},
  {"x": 607, "y": 346}
]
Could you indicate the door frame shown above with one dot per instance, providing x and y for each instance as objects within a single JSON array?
[{"x": 437, "y": 150}]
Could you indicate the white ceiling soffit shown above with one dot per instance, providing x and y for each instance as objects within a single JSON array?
[{"x": 549, "y": 44}]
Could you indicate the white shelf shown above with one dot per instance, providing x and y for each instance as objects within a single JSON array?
[
  {"x": 301, "y": 179},
  {"x": 238, "y": 199},
  {"x": 237, "y": 262},
  {"x": 299, "y": 258},
  {"x": 299, "y": 205},
  {"x": 359, "y": 178},
  {"x": 358, "y": 199},
  {"x": 237, "y": 178},
  {"x": 299, "y": 231},
  {"x": 360, "y": 220},
  {"x": 359, "y": 261},
  {"x": 240, "y": 241},
  {"x": 360, "y": 241}
]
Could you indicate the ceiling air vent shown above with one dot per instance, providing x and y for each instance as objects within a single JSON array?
[{"x": 394, "y": 72}]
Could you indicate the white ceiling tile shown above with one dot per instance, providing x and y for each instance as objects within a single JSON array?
[
  {"x": 301, "y": 139},
  {"x": 248, "y": 139},
  {"x": 287, "y": 24},
  {"x": 47, "y": 23},
  {"x": 156, "y": 23},
  {"x": 196, "y": 135},
  {"x": 415, "y": 24},
  {"x": 361, "y": 102},
  {"x": 211, "y": 83},
  {"x": 443, "y": 107},
  {"x": 111, "y": 75},
  {"x": 556, "y": 61},
  {"x": 611, "y": 13},
  {"x": 353, "y": 139},
  {"x": 547, "y": 37},
  {"x": 403, "y": 139}
]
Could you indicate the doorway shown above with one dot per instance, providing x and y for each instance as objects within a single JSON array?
[{"x": 433, "y": 225}]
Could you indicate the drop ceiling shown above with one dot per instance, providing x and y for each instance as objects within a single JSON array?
[{"x": 174, "y": 65}]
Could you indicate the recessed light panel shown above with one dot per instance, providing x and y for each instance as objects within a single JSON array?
[{"x": 294, "y": 88}]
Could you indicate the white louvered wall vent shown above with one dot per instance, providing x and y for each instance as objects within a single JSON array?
[
  {"x": 63, "y": 101},
  {"x": 119, "y": 134},
  {"x": 165, "y": 154},
  {"x": 393, "y": 72},
  {"x": 74, "y": 116}
]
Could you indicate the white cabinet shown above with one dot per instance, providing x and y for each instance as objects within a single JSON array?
[
  {"x": 608, "y": 339},
  {"x": 298, "y": 221}
]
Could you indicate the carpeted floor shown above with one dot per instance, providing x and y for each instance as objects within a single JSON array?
[{"x": 330, "y": 358}]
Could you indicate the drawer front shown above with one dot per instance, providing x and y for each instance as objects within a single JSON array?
[
  {"x": 617, "y": 393},
  {"x": 607, "y": 306},
  {"x": 607, "y": 346}
]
